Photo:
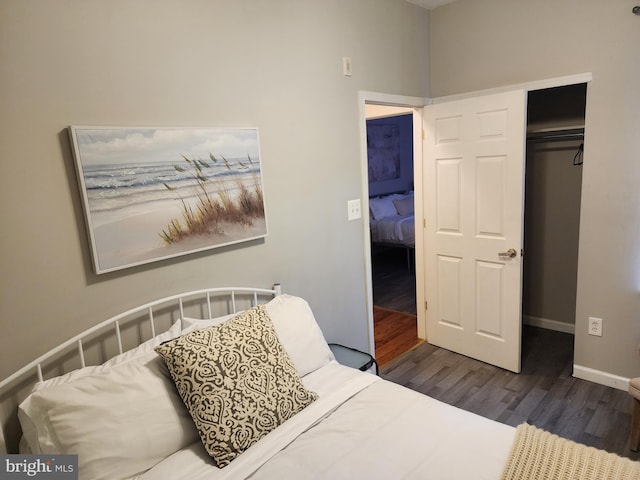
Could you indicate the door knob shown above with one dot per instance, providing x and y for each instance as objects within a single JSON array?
[{"x": 511, "y": 253}]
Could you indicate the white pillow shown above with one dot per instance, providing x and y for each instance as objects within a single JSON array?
[
  {"x": 383, "y": 207},
  {"x": 138, "y": 351},
  {"x": 296, "y": 328},
  {"x": 120, "y": 422},
  {"x": 146, "y": 347},
  {"x": 299, "y": 333},
  {"x": 191, "y": 324},
  {"x": 28, "y": 428},
  {"x": 404, "y": 206}
]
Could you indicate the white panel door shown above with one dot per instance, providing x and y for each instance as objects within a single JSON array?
[{"x": 474, "y": 204}]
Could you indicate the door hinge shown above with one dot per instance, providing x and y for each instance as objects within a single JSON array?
[
  {"x": 424, "y": 223},
  {"x": 423, "y": 135},
  {"x": 426, "y": 305}
]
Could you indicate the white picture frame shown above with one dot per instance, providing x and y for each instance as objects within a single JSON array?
[{"x": 153, "y": 193}]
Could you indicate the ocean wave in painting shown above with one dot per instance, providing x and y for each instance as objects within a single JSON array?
[{"x": 111, "y": 187}]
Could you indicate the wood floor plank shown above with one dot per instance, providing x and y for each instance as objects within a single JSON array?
[
  {"x": 544, "y": 394},
  {"x": 395, "y": 333}
]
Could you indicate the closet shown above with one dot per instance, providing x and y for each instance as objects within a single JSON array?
[{"x": 553, "y": 181}]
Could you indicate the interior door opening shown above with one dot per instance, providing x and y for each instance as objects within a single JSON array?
[
  {"x": 553, "y": 182},
  {"x": 390, "y": 155}
]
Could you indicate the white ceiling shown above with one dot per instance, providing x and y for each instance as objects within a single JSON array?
[{"x": 429, "y": 4}]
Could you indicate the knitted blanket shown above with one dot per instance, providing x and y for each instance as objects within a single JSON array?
[{"x": 537, "y": 454}]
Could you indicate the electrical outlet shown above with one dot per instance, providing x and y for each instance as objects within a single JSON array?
[{"x": 595, "y": 326}]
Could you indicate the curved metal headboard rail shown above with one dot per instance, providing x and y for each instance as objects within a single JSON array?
[{"x": 115, "y": 321}]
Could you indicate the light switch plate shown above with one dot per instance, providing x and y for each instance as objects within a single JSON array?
[
  {"x": 346, "y": 66},
  {"x": 354, "y": 211}
]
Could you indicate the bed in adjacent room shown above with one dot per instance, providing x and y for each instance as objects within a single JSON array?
[
  {"x": 242, "y": 384},
  {"x": 392, "y": 219},
  {"x": 392, "y": 223}
]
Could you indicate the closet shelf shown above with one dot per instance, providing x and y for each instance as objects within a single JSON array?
[{"x": 556, "y": 134}]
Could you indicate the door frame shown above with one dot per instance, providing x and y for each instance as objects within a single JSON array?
[{"x": 418, "y": 103}]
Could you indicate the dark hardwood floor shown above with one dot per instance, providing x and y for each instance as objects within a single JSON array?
[{"x": 544, "y": 394}]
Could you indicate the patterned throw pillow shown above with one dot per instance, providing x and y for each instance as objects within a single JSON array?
[{"x": 237, "y": 382}]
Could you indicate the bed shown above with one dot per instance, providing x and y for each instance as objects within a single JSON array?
[
  {"x": 242, "y": 384},
  {"x": 392, "y": 222},
  {"x": 392, "y": 219}
]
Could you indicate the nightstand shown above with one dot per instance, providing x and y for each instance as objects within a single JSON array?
[{"x": 353, "y": 358}]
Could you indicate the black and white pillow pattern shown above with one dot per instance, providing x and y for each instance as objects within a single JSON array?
[{"x": 237, "y": 381}]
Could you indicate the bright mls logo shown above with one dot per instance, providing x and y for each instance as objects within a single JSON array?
[{"x": 52, "y": 467}]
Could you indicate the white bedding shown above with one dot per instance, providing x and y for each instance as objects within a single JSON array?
[
  {"x": 361, "y": 427},
  {"x": 394, "y": 229}
]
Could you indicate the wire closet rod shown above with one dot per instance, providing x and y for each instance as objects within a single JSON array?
[{"x": 557, "y": 135}]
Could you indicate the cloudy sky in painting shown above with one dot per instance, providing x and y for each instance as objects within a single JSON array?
[{"x": 103, "y": 146}]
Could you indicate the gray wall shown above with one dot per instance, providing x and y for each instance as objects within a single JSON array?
[
  {"x": 551, "y": 237},
  {"x": 484, "y": 44},
  {"x": 275, "y": 65}
]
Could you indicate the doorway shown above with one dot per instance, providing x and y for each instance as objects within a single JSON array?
[{"x": 390, "y": 159}]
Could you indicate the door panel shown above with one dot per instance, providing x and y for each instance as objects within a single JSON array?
[
  {"x": 449, "y": 192},
  {"x": 450, "y": 278},
  {"x": 473, "y": 203}
]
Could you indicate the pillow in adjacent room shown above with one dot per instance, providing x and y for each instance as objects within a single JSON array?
[
  {"x": 382, "y": 207},
  {"x": 237, "y": 381},
  {"x": 404, "y": 206}
]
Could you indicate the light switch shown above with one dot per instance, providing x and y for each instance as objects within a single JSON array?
[
  {"x": 353, "y": 209},
  {"x": 346, "y": 66}
]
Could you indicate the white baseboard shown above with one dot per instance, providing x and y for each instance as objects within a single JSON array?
[
  {"x": 584, "y": 373},
  {"x": 603, "y": 378},
  {"x": 549, "y": 324}
]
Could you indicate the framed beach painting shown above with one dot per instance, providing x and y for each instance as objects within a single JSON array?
[{"x": 155, "y": 193}]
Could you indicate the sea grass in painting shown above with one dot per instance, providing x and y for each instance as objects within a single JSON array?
[{"x": 213, "y": 207}]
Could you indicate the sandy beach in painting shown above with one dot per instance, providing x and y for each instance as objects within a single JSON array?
[
  {"x": 133, "y": 198},
  {"x": 135, "y": 239}
]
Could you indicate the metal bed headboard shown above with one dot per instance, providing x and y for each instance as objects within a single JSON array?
[{"x": 232, "y": 300}]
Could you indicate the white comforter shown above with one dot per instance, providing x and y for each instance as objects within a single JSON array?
[
  {"x": 394, "y": 229},
  {"x": 361, "y": 427}
]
